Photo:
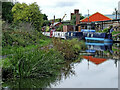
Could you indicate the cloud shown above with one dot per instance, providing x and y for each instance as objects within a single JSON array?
[
  {"x": 65, "y": 4},
  {"x": 60, "y": 7}
]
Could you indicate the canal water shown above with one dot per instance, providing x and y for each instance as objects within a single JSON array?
[
  {"x": 98, "y": 68},
  {"x": 89, "y": 75}
]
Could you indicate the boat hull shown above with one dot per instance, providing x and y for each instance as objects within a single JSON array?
[{"x": 103, "y": 40}]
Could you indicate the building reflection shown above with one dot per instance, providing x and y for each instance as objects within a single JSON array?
[
  {"x": 96, "y": 61},
  {"x": 101, "y": 52}
]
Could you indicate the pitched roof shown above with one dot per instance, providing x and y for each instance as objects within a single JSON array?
[
  {"x": 96, "y": 17},
  {"x": 95, "y": 60}
]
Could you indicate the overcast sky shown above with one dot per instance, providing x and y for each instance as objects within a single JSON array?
[{"x": 61, "y": 7}]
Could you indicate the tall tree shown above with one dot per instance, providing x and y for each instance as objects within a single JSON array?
[
  {"x": 46, "y": 21},
  {"x": 28, "y": 13},
  {"x": 7, "y": 14},
  {"x": 45, "y": 17}
]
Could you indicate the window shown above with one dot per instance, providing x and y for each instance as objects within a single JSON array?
[
  {"x": 58, "y": 34},
  {"x": 91, "y": 35},
  {"x": 71, "y": 34}
]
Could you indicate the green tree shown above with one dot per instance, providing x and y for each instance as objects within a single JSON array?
[
  {"x": 60, "y": 28},
  {"x": 7, "y": 14},
  {"x": 73, "y": 21},
  {"x": 46, "y": 23},
  {"x": 45, "y": 17},
  {"x": 81, "y": 17},
  {"x": 28, "y": 13}
]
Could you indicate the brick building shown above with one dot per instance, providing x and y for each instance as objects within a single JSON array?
[
  {"x": 67, "y": 28},
  {"x": 76, "y": 13}
]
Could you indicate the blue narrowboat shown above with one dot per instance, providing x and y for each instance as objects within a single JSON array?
[
  {"x": 87, "y": 30},
  {"x": 71, "y": 35},
  {"x": 98, "y": 37}
]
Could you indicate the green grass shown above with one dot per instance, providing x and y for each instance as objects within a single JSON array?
[
  {"x": 22, "y": 40},
  {"x": 10, "y": 49},
  {"x": 33, "y": 63},
  {"x": 24, "y": 55}
]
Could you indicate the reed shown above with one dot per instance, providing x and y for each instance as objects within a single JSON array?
[{"x": 34, "y": 63}]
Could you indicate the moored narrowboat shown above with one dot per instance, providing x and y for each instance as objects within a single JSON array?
[
  {"x": 98, "y": 37},
  {"x": 71, "y": 35}
]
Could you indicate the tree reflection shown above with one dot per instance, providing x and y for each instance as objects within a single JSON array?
[{"x": 44, "y": 82}]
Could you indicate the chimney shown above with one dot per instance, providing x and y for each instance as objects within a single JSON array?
[{"x": 76, "y": 11}]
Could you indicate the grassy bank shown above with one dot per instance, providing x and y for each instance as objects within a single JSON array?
[
  {"x": 23, "y": 40},
  {"x": 27, "y": 55},
  {"x": 34, "y": 63}
]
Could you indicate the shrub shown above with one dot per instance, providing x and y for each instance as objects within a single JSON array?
[
  {"x": 21, "y": 35},
  {"x": 33, "y": 63},
  {"x": 68, "y": 48}
]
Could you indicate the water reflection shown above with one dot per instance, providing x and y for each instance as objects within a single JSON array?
[
  {"x": 99, "y": 46},
  {"x": 98, "y": 65},
  {"x": 103, "y": 50},
  {"x": 67, "y": 71},
  {"x": 98, "y": 68}
]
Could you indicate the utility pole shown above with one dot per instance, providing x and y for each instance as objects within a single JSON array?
[
  {"x": 116, "y": 12},
  {"x": 88, "y": 20},
  {"x": 88, "y": 15},
  {"x": 54, "y": 18}
]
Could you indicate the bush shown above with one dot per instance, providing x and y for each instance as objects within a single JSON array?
[
  {"x": 33, "y": 63},
  {"x": 69, "y": 48},
  {"x": 21, "y": 35}
]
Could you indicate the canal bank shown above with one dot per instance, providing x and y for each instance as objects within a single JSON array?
[
  {"x": 89, "y": 71},
  {"x": 36, "y": 60},
  {"x": 84, "y": 74}
]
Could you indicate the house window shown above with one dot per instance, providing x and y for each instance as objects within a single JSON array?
[
  {"x": 58, "y": 34},
  {"x": 68, "y": 34}
]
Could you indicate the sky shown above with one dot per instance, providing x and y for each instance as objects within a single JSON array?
[{"x": 61, "y": 7}]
